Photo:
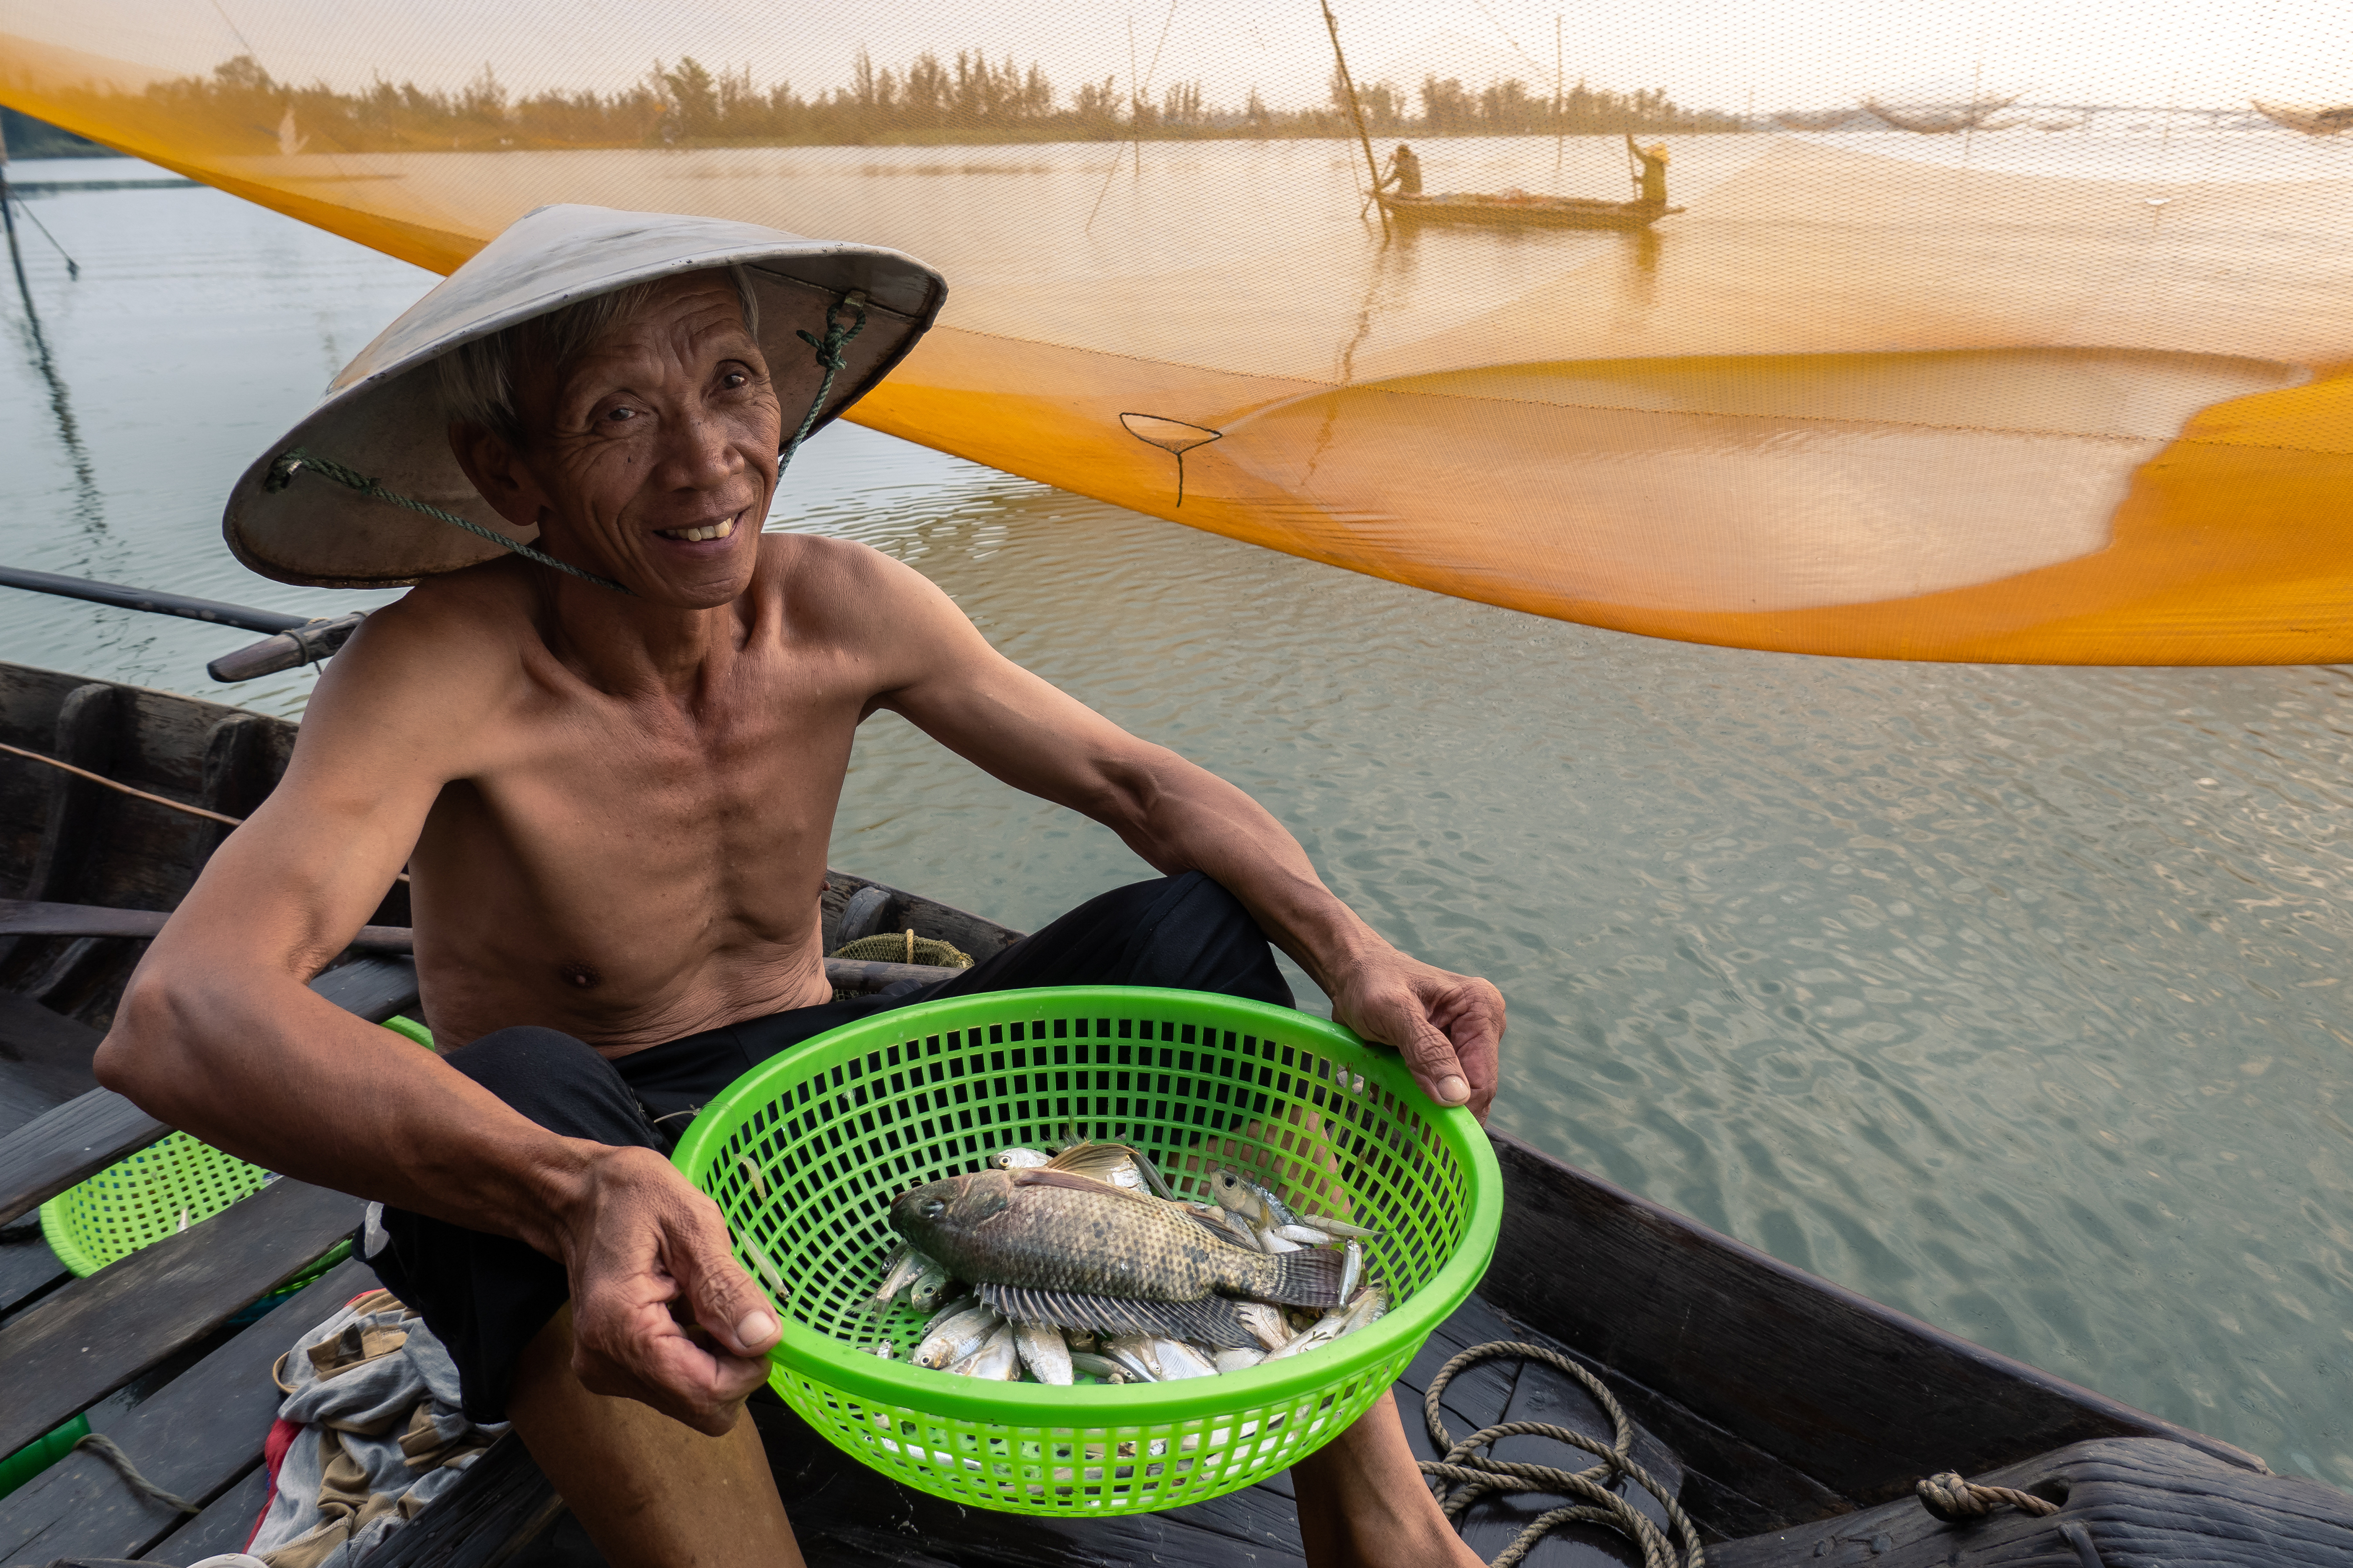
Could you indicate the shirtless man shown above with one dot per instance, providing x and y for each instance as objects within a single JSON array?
[{"x": 615, "y": 807}]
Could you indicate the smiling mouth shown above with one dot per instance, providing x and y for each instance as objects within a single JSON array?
[{"x": 720, "y": 529}]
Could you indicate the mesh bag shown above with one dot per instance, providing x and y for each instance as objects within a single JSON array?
[{"x": 1946, "y": 329}]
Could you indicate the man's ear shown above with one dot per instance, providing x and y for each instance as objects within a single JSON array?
[{"x": 501, "y": 477}]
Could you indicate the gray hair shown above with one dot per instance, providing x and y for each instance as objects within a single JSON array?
[{"x": 478, "y": 378}]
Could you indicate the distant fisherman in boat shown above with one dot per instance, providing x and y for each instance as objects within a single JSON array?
[
  {"x": 1404, "y": 176},
  {"x": 611, "y": 770},
  {"x": 1654, "y": 160}
]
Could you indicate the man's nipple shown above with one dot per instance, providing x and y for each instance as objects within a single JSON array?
[{"x": 581, "y": 976}]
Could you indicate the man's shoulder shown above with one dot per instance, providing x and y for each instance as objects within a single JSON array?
[
  {"x": 445, "y": 644},
  {"x": 813, "y": 575}
]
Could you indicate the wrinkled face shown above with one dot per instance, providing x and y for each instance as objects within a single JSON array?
[{"x": 654, "y": 455}]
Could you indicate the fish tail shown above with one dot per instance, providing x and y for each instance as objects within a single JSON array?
[{"x": 1308, "y": 1277}]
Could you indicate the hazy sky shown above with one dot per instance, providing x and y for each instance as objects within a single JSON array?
[{"x": 1718, "y": 53}]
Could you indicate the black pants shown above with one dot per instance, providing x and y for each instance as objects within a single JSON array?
[{"x": 486, "y": 1295}]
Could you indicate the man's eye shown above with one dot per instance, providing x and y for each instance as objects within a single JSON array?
[
  {"x": 619, "y": 415},
  {"x": 734, "y": 379}
]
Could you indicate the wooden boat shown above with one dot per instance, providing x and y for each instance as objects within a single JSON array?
[
  {"x": 1792, "y": 1417},
  {"x": 1520, "y": 210}
]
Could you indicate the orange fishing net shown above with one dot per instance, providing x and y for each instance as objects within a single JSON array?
[{"x": 1967, "y": 332}]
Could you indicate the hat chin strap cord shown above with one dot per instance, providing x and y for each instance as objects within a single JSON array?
[{"x": 837, "y": 333}]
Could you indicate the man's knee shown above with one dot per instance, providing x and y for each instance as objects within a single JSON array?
[{"x": 559, "y": 1082}]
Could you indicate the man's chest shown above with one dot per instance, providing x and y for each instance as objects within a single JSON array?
[{"x": 659, "y": 803}]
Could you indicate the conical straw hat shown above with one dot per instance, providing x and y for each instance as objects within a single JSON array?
[{"x": 382, "y": 416}]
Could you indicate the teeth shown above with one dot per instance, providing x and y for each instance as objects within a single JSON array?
[{"x": 708, "y": 530}]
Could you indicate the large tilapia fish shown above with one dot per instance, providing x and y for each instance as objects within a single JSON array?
[{"x": 1051, "y": 1246}]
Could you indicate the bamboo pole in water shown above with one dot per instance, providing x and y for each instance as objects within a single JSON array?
[{"x": 1357, "y": 113}]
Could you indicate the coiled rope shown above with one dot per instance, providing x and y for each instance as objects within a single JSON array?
[
  {"x": 1958, "y": 1500},
  {"x": 1466, "y": 1475},
  {"x": 837, "y": 333}
]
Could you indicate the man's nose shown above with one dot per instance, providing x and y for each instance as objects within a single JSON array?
[{"x": 701, "y": 452}]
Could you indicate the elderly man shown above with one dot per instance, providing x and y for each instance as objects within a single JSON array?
[{"x": 611, "y": 770}]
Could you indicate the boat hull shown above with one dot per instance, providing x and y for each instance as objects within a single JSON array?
[{"x": 1534, "y": 211}]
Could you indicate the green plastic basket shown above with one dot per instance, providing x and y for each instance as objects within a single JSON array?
[
  {"x": 162, "y": 1190},
  {"x": 805, "y": 1152}
]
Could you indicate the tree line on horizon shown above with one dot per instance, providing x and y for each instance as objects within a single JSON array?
[{"x": 965, "y": 99}]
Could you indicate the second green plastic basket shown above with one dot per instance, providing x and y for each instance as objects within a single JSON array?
[
  {"x": 162, "y": 1190},
  {"x": 804, "y": 1154}
]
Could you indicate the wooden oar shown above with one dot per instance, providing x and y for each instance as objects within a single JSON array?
[
  {"x": 292, "y": 639},
  {"x": 22, "y": 917}
]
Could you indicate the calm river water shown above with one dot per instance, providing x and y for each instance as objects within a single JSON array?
[{"x": 2011, "y": 997}]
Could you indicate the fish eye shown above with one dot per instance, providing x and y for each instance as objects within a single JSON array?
[{"x": 931, "y": 1208}]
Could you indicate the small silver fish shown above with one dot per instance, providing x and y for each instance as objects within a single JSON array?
[
  {"x": 930, "y": 1289},
  {"x": 753, "y": 1173},
  {"x": 1353, "y": 1272},
  {"x": 996, "y": 1361},
  {"x": 1245, "y": 1198},
  {"x": 1368, "y": 1307},
  {"x": 1265, "y": 1324},
  {"x": 1264, "y": 1211},
  {"x": 907, "y": 1265},
  {"x": 768, "y": 1274},
  {"x": 1132, "y": 1355},
  {"x": 1104, "y": 1367},
  {"x": 1179, "y": 1360},
  {"x": 957, "y": 1338},
  {"x": 1044, "y": 1352},
  {"x": 1323, "y": 1333},
  {"x": 1273, "y": 1240},
  {"x": 1305, "y": 1234},
  {"x": 1240, "y": 1359},
  {"x": 1019, "y": 1159},
  {"x": 947, "y": 1310}
]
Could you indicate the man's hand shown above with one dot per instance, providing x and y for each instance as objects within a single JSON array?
[
  {"x": 1448, "y": 1027},
  {"x": 645, "y": 1249}
]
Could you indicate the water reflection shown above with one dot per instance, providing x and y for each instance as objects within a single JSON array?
[{"x": 86, "y": 509}]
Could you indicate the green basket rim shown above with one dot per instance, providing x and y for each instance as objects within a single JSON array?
[{"x": 806, "y": 1352}]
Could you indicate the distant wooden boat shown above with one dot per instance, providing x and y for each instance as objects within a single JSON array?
[
  {"x": 2326, "y": 121},
  {"x": 1790, "y": 1416},
  {"x": 1516, "y": 209}
]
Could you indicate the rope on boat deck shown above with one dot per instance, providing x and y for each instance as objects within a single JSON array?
[
  {"x": 106, "y": 1448},
  {"x": 1958, "y": 1500},
  {"x": 837, "y": 333},
  {"x": 1465, "y": 1475}
]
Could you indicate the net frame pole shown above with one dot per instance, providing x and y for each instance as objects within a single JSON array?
[{"x": 1357, "y": 113}]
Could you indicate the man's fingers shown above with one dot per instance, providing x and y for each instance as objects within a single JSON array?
[
  {"x": 1430, "y": 1055},
  {"x": 727, "y": 1303},
  {"x": 662, "y": 1366}
]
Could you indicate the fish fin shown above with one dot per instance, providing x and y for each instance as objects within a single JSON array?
[
  {"x": 1098, "y": 1159},
  {"x": 1153, "y": 1179},
  {"x": 1213, "y": 1319},
  {"x": 1088, "y": 1159},
  {"x": 1048, "y": 1176},
  {"x": 1309, "y": 1278}
]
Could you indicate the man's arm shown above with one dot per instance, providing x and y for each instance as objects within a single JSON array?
[
  {"x": 1179, "y": 817},
  {"x": 219, "y": 1033}
]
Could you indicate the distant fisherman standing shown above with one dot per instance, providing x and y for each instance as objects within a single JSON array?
[{"x": 1654, "y": 160}]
